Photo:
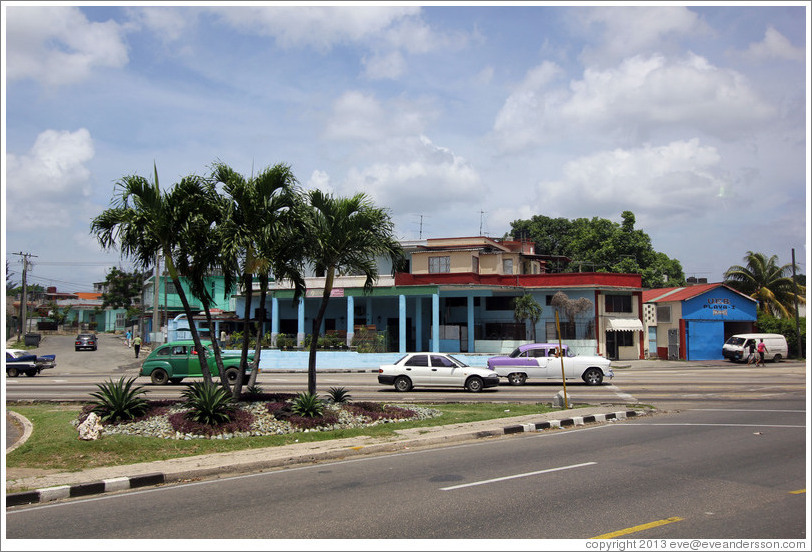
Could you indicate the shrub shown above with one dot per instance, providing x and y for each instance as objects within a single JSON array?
[
  {"x": 339, "y": 394},
  {"x": 377, "y": 411},
  {"x": 208, "y": 403},
  {"x": 308, "y": 405},
  {"x": 119, "y": 401},
  {"x": 310, "y": 422},
  {"x": 240, "y": 421}
]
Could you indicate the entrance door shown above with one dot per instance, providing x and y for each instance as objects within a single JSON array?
[{"x": 611, "y": 345}]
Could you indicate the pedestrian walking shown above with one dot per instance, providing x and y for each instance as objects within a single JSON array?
[
  {"x": 762, "y": 348},
  {"x": 128, "y": 338},
  {"x": 751, "y": 347},
  {"x": 137, "y": 345}
]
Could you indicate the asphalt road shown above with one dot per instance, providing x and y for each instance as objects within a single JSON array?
[{"x": 736, "y": 472}]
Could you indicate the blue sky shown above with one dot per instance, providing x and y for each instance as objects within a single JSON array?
[{"x": 458, "y": 119}]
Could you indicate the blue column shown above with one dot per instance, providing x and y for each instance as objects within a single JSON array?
[
  {"x": 369, "y": 312},
  {"x": 435, "y": 323},
  {"x": 471, "y": 348},
  {"x": 402, "y": 323},
  {"x": 274, "y": 320},
  {"x": 418, "y": 324},
  {"x": 301, "y": 334},
  {"x": 350, "y": 319}
]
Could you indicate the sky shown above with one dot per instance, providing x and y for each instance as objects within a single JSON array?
[{"x": 458, "y": 119}]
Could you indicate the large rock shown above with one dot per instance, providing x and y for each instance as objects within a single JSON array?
[{"x": 91, "y": 429}]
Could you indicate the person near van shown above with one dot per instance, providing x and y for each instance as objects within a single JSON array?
[
  {"x": 137, "y": 345},
  {"x": 762, "y": 348},
  {"x": 751, "y": 347}
]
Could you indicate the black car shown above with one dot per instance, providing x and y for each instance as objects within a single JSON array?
[{"x": 86, "y": 341}]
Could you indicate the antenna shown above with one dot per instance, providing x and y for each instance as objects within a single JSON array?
[{"x": 481, "y": 221}]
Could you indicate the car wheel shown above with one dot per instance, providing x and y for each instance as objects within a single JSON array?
[
  {"x": 159, "y": 376},
  {"x": 517, "y": 378},
  {"x": 777, "y": 358},
  {"x": 77, "y": 349},
  {"x": 31, "y": 373},
  {"x": 403, "y": 384},
  {"x": 175, "y": 380},
  {"x": 474, "y": 384},
  {"x": 232, "y": 375},
  {"x": 593, "y": 376},
  {"x": 12, "y": 372}
]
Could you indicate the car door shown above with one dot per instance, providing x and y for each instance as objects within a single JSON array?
[
  {"x": 418, "y": 369},
  {"x": 179, "y": 359},
  {"x": 444, "y": 372}
]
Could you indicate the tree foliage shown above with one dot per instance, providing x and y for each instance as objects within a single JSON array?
[
  {"x": 600, "y": 245},
  {"x": 527, "y": 308},
  {"x": 770, "y": 284},
  {"x": 121, "y": 288}
]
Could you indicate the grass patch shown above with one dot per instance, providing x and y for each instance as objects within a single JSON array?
[{"x": 54, "y": 443}]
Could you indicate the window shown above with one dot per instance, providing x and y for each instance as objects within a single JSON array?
[
  {"x": 507, "y": 266},
  {"x": 418, "y": 360},
  {"x": 664, "y": 314},
  {"x": 624, "y": 339},
  {"x": 618, "y": 303},
  {"x": 567, "y": 331},
  {"x": 439, "y": 264},
  {"x": 499, "y": 302},
  {"x": 164, "y": 352},
  {"x": 475, "y": 265},
  {"x": 441, "y": 361}
]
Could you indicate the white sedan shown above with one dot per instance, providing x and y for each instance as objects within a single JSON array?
[
  {"x": 538, "y": 360},
  {"x": 435, "y": 370}
]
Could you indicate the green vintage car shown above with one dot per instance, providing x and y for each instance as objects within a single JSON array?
[{"x": 178, "y": 359}]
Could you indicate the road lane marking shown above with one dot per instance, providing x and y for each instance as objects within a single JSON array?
[
  {"x": 475, "y": 483},
  {"x": 743, "y": 410},
  {"x": 625, "y": 396},
  {"x": 800, "y": 491},
  {"x": 637, "y": 528}
]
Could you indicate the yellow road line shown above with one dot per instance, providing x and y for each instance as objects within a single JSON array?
[
  {"x": 637, "y": 528},
  {"x": 802, "y": 491}
]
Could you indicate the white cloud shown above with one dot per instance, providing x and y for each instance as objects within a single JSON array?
[
  {"x": 58, "y": 45},
  {"x": 627, "y": 31},
  {"x": 641, "y": 94},
  {"x": 321, "y": 27},
  {"x": 360, "y": 116},
  {"x": 774, "y": 46},
  {"x": 54, "y": 167},
  {"x": 168, "y": 24},
  {"x": 384, "y": 66},
  {"x": 664, "y": 182}
]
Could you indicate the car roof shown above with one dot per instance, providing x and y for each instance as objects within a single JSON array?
[{"x": 528, "y": 346}]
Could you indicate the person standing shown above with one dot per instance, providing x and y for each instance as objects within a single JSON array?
[
  {"x": 762, "y": 348},
  {"x": 751, "y": 348},
  {"x": 128, "y": 338},
  {"x": 137, "y": 345}
]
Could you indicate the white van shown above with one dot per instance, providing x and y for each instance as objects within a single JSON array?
[{"x": 738, "y": 346}]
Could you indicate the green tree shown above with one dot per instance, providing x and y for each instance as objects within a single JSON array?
[
  {"x": 145, "y": 222},
  {"x": 527, "y": 308},
  {"x": 121, "y": 288},
  {"x": 770, "y": 284},
  {"x": 344, "y": 236},
  {"x": 260, "y": 235},
  {"x": 56, "y": 314}
]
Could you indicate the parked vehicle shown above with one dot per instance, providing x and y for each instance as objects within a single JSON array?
[
  {"x": 435, "y": 370},
  {"x": 736, "y": 348},
  {"x": 86, "y": 341},
  {"x": 177, "y": 360},
  {"x": 19, "y": 361},
  {"x": 538, "y": 360}
]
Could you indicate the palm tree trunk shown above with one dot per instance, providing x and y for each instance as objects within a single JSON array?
[
  {"x": 314, "y": 341},
  {"x": 246, "y": 327},
  {"x": 263, "y": 292}
]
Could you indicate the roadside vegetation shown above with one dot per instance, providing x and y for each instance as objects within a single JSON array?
[{"x": 53, "y": 444}]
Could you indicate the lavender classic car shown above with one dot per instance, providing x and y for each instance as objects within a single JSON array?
[
  {"x": 19, "y": 361},
  {"x": 539, "y": 360}
]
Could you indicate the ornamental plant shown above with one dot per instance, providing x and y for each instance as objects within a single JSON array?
[
  {"x": 339, "y": 394},
  {"x": 307, "y": 405},
  {"x": 208, "y": 403},
  {"x": 119, "y": 401}
]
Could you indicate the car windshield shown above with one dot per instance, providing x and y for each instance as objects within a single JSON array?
[
  {"x": 456, "y": 361},
  {"x": 735, "y": 341},
  {"x": 515, "y": 353}
]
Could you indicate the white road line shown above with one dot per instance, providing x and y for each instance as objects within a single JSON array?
[
  {"x": 621, "y": 394},
  {"x": 742, "y": 410},
  {"x": 475, "y": 483}
]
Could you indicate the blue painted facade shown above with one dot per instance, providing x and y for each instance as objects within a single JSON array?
[{"x": 710, "y": 318}]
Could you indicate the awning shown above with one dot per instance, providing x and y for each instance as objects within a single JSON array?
[{"x": 624, "y": 325}]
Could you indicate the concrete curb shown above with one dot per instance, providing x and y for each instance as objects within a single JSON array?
[
  {"x": 184, "y": 474},
  {"x": 27, "y": 429}
]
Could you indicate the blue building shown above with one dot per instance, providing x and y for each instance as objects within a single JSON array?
[{"x": 693, "y": 322}]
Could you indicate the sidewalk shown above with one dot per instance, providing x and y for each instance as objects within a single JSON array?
[{"x": 115, "y": 478}]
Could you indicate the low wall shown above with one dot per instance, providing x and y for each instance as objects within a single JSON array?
[{"x": 274, "y": 359}]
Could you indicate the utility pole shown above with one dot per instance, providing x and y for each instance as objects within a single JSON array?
[
  {"x": 797, "y": 321},
  {"x": 24, "y": 299}
]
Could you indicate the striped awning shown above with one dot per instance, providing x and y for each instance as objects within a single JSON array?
[{"x": 624, "y": 325}]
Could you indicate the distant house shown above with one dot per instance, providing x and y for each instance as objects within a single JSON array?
[{"x": 693, "y": 322}]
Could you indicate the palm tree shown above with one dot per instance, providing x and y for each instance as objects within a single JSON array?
[
  {"x": 144, "y": 223},
  {"x": 260, "y": 218},
  {"x": 344, "y": 236},
  {"x": 527, "y": 308},
  {"x": 771, "y": 285}
]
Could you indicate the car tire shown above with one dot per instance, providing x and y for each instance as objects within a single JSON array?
[
  {"x": 593, "y": 376},
  {"x": 403, "y": 384},
  {"x": 777, "y": 358},
  {"x": 31, "y": 373},
  {"x": 12, "y": 372},
  {"x": 175, "y": 381},
  {"x": 78, "y": 349},
  {"x": 232, "y": 375},
  {"x": 159, "y": 376},
  {"x": 517, "y": 378},
  {"x": 474, "y": 384}
]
